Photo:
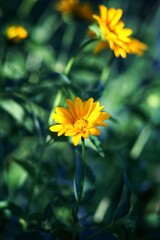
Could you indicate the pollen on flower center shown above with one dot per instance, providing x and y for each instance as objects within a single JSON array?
[{"x": 81, "y": 123}]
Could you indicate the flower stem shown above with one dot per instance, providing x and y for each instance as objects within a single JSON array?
[
  {"x": 83, "y": 175},
  {"x": 72, "y": 59},
  {"x": 82, "y": 184}
]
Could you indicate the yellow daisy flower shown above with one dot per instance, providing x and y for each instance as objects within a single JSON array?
[
  {"x": 80, "y": 119},
  {"x": 112, "y": 31},
  {"x": 16, "y": 33},
  {"x": 76, "y": 9}
]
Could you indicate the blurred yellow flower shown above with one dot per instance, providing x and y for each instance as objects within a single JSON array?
[
  {"x": 80, "y": 119},
  {"x": 16, "y": 33},
  {"x": 76, "y": 9},
  {"x": 111, "y": 33}
]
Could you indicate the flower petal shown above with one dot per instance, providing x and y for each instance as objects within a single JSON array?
[
  {"x": 78, "y": 105},
  {"x": 65, "y": 113},
  {"x": 102, "y": 117},
  {"x": 115, "y": 17},
  {"x": 87, "y": 107},
  {"x": 85, "y": 133},
  {"x": 56, "y": 128},
  {"x": 76, "y": 139},
  {"x": 94, "y": 131},
  {"x": 100, "y": 46},
  {"x": 71, "y": 107},
  {"x": 103, "y": 12},
  {"x": 71, "y": 132}
]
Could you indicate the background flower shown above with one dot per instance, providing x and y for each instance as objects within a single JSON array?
[
  {"x": 113, "y": 34},
  {"x": 16, "y": 33},
  {"x": 75, "y": 8}
]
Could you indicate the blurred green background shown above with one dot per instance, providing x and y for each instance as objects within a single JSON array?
[{"x": 37, "y": 168}]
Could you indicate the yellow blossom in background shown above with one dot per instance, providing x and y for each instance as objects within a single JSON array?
[
  {"x": 80, "y": 119},
  {"x": 112, "y": 34},
  {"x": 113, "y": 31},
  {"x": 76, "y": 9},
  {"x": 16, "y": 33}
]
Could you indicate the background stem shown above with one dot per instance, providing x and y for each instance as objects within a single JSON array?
[{"x": 72, "y": 59}]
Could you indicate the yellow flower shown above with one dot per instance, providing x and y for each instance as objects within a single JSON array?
[
  {"x": 112, "y": 31},
  {"x": 16, "y": 33},
  {"x": 76, "y": 9},
  {"x": 79, "y": 120},
  {"x": 136, "y": 47},
  {"x": 112, "y": 34}
]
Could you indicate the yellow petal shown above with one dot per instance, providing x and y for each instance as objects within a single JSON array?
[
  {"x": 122, "y": 53},
  {"x": 85, "y": 133},
  {"x": 93, "y": 116},
  {"x": 100, "y": 46},
  {"x": 103, "y": 12},
  {"x": 60, "y": 119},
  {"x": 71, "y": 132},
  {"x": 94, "y": 112},
  {"x": 76, "y": 139},
  {"x": 124, "y": 34},
  {"x": 87, "y": 107},
  {"x": 94, "y": 131},
  {"x": 78, "y": 105},
  {"x": 103, "y": 116},
  {"x": 119, "y": 25},
  {"x": 110, "y": 14},
  {"x": 117, "y": 15},
  {"x": 61, "y": 132},
  {"x": 56, "y": 128},
  {"x": 64, "y": 113},
  {"x": 96, "y": 17},
  {"x": 70, "y": 105}
]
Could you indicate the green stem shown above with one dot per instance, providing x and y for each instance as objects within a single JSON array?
[
  {"x": 72, "y": 59},
  {"x": 82, "y": 183},
  {"x": 83, "y": 175}
]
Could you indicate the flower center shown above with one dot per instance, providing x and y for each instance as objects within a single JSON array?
[{"x": 81, "y": 123}]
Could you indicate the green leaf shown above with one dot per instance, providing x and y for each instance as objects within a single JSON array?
[
  {"x": 15, "y": 176},
  {"x": 95, "y": 144},
  {"x": 27, "y": 166},
  {"x": 124, "y": 204},
  {"x": 13, "y": 108}
]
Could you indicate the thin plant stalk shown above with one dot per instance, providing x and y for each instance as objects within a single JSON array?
[
  {"x": 83, "y": 175},
  {"x": 82, "y": 183},
  {"x": 72, "y": 59}
]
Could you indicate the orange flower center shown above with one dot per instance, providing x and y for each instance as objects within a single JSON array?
[{"x": 81, "y": 123}]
